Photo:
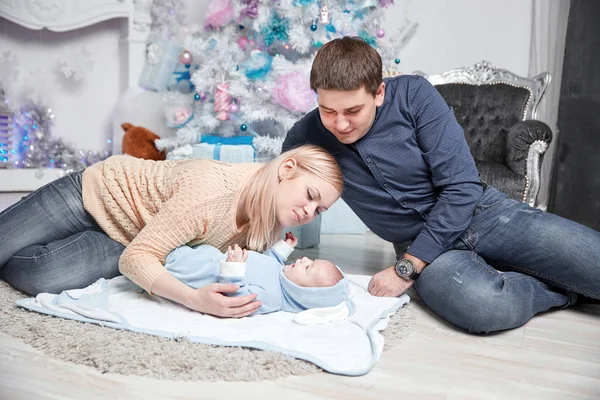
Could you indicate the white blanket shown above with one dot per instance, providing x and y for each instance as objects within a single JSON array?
[{"x": 350, "y": 346}]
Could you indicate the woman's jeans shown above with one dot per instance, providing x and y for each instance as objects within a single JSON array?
[
  {"x": 545, "y": 260},
  {"x": 49, "y": 243}
]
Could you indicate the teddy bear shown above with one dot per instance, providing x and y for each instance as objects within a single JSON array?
[{"x": 139, "y": 142}]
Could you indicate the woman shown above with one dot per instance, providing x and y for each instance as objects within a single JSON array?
[{"x": 126, "y": 214}]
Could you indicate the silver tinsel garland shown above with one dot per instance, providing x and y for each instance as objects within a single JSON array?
[{"x": 36, "y": 147}]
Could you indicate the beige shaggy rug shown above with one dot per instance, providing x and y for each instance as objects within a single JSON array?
[{"x": 129, "y": 353}]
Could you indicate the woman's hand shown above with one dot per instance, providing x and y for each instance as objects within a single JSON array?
[
  {"x": 211, "y": 300},
  {"x": 208, "y": 299}
]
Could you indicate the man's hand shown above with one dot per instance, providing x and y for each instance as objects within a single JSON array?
[
  {"x": 236, "y": 254},
  {"x": 388, "y": 284},
  {"x": 417, "y": 262},
  {"x": 291, "y": 240}
]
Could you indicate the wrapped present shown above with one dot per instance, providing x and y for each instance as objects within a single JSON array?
[
  {"x": 162, "y": 58},
  {"x": 235, "y": 149}
]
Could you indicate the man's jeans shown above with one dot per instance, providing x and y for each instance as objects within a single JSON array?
[
  {"x": 545, "y": 259},
  {"x": 49, "y": 243}
]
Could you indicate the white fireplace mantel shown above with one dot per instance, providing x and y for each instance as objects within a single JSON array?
[{"x": 68, "y": 15}]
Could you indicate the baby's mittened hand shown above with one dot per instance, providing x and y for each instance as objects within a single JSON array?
[
  {"x": 236, "y": 254},
  {"x": 291, "y": 240}
]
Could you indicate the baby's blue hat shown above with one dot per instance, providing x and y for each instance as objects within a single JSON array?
[{"x": 298, "y": 298}]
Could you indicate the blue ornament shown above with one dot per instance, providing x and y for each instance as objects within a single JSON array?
[
  {"x": 313, "y": 27},
  {"x": 182, "y": 76},
  {"x": 397, "y": 61},
  {"x": 258, "y": 65},
  {"x": 368, "y": 38},
  {"x": 196, "y": 97},
  {"x": 276, "y": 29},
  {"x": 243, "y": 127}
]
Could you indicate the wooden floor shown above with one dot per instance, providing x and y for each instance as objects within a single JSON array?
[{"x": 555, "y": 356}]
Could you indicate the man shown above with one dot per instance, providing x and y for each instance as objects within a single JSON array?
[{"x": 409, "y": 176}]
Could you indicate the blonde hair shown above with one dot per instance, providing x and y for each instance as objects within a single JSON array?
[{"x": 260, "y": 231}]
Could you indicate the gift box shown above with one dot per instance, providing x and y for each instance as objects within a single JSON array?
[
  {"x": 162, "y": 57},
  {"x": 235, "y": 149}
]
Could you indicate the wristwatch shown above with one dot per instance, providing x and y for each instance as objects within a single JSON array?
[{"x": 406, "y": 269}]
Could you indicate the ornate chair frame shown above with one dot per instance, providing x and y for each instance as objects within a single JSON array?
[{"x": 485, "y": 73}]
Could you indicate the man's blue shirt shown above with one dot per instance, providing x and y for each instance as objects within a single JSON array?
[{"x": 412, "y": 176}]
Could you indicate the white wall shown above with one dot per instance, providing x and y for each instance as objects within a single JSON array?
[
  {"x": 456, "y": 33},
  {"x": 451, "y": 33}
]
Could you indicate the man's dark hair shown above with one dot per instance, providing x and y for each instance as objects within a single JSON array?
[{"x": 347, "y": 64}]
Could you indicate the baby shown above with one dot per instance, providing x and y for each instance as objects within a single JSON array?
[{"x": 294, "y": 288}]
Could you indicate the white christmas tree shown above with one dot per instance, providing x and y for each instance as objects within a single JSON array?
[{"x": 249, "y": 66}]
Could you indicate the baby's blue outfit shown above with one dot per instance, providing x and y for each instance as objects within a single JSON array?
[{"x": 201, "y": 265}]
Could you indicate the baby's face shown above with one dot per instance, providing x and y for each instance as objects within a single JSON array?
[{"x": 312, "y": 273}]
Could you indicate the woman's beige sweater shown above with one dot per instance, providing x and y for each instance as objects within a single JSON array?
[{"x": 152, "y": 207}]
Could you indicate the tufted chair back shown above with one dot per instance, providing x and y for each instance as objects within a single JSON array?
[{"x": 497, "y": 111}]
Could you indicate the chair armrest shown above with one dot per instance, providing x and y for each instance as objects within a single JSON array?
[
  {"x": 521, "y": 136},
  {"x": 526, "y": 143}
]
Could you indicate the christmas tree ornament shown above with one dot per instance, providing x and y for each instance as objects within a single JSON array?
[
  {"x": 243, "y": 43},
  {"x": 243, "y": 127},
  {"x": 186, "y": 57},
  {"x": 222, "y": 101},
  {"x": 233, "y": 108},
  {"x": 324, "y": 15},
  {"x": 276, "y": 29},
  {"x": 380, "y": 33},
  {"x": 178, "y": 113},
  {"x": 251, "y": 9},
  {"x": 258, "y": 65},
  {"x": 293, "y": 92},
  {"x": 220, "y": 13}
]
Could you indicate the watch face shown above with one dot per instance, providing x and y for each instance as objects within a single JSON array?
[{"x": 404, "y": 268}]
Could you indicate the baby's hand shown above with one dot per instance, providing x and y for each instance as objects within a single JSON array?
[
  {"x": 291, "y": 240},
  {"x": 236, "y": 254}
]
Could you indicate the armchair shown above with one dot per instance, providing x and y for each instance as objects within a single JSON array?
[{"x": 497, "y": 110}]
